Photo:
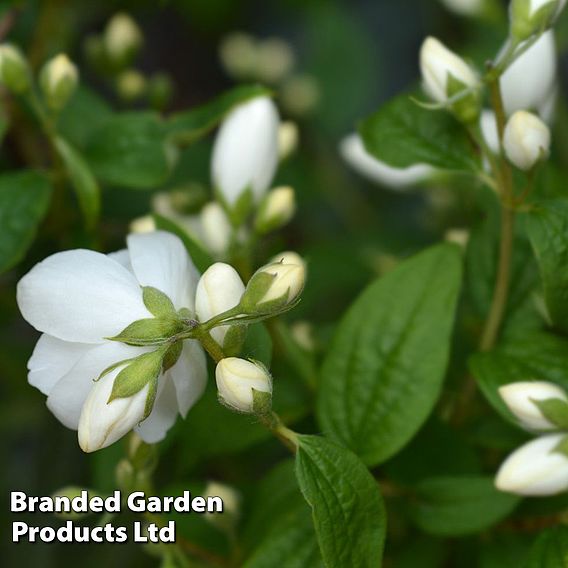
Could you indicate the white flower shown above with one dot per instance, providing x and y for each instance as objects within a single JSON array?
[
  {"x": 438, "y": 64},
  {"x": 465, "y": 7},
  {"x": 535, "y": 468},
  {"x": 219, "y": 289},
  {"x": 79, "y": 297},
  {"x": 530, "y": 82},
  {"x": 526, "y": 140},
  {"x": 216, "y": 228},
  {"x": 236, "y": 380},
  {"x": 354, "y": 153},
  {"x": 521, "y": 399},
  {"x": 245, "y": 155}
]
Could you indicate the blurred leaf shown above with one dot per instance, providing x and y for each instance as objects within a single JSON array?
[
  {"x": 550, "y": 549},
  {"x": 425, "y": 552},
  {"x": 522, "y": 357},
  {"x": 384, "y": 370},
  {"x": 456, "y": 506},
  {"x": 188, "y": 126},
  {"x": 201, "y": 258},
  {"x": 258, "y": 344},
  {"x": 82, "y": 116},
  {"x": 82, "y": 179},
  {"x": 548, "y": 231},
  {"x": 24, "y": 199},
  {"x": 505, "y": 551},
  {"x": 129, "y": 150},
  {"x": 347, "y": 508},
  {"x": 403, "y": 133}
]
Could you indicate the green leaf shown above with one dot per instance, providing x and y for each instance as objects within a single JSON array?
[
  {"x": 521, "y": 357},
  {"x": 137, "y": 374},
  {"x": 347, "y": 508},
  {"x": 258, "y": 344},
  {"x": 200, "y": 257},
  {"x": 384, "y": 369},
  {"x": 149, "y": 331},
  {"x": 129, "y": 150},
  {"x": 550, "y": 549},
  {"x": 24, "y": 199},
  {"x": 403, "y": 133},
  {"x": 188, "y": 126},
  {"x": 82, "y": 179},
  {"x": 548, "y": 231},
  {"x": 457, "y": 506},
  {"x": 157, "y": 302}
]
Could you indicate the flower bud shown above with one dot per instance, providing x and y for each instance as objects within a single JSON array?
[
  {"x": 216, "y": 228},
  {"x": 288, "y": 257},
  {"x": 131, "y": 85},
  {"x": 58, "y": 79},
  {"x": 526, "y": 140},
  {"x": 122, "y": 40},
  {"x": 245, "y": 155},
  {"x": 102, "y": 422},
  {"x": 300, "y": 94},
  {"x": 529, "y": 17},
  {"x": 237, "y": 382},
  {"x": 537, "y": 468},
  {"x": 273, "y": 287},
  {"x": 446, "y": 76},
  {"x": 287, "y": 139},
  {"x": 227, "y": 520},
  {"x": 465, "y": 7},
  {"x": 522, "y": 398},
  {"x": 160, "y": 90},
  {"x": 238, "y": 55},
  {"x": 73, "y": 492},
  {"x": 274, "y": 60},
  {"x": 219, "y": 289},
  {"x": 144, "y": 224},
  {"x": 277, "y": 208},
  {"x": 14, "y": 69}
]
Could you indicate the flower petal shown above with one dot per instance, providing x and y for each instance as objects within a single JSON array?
[
  {"x": 67, "y": 397},
  {"x": 159, "y": 259},
  {"x": 51, "y": 360},
  {"x": 80, "y": 296},
  {"x": 189, "y": 375},
  {"x": 163, "y": 415},
  {"x": 122, "y": 256}
]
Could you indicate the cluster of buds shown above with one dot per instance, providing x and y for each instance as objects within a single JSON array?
[
  {"x": 58, "y": 77},
  {"x": 539, "y": 467}
]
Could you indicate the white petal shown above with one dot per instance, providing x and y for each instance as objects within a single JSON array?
[
  {"x": 189, "y": 375},
  {"x": 123, "y": 258},
  {"x": 52, "y": 358},
  {"x": 163, "y": 415},
  {"x": 80, "y": 296},
  {"x": 354, "y": 153},
  {"x": 67, "y": 397},
  {"x": 160, "y": 260}
]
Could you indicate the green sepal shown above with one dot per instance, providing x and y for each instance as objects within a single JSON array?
[
  {"x": 172, "y": 355},
  {"x": 255, "y": 291},
  {"x": 562, "y": 446},
  {"x": 261, "y": 402},
  {"x": 466, "y": 108},
  {"x": 555, "y": 410},
  {"x": 150, "y": 399},
  {"x": 240, "y": 210},
  {"x": 523, "y": 26},
  {"x": 149, "y": 331},
  {"x": 157, "y": 303},
  {"x": 133, "y": 378},
  {"x": 234, "y": 340}
]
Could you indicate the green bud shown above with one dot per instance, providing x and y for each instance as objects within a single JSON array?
[
  {"x": 71, "y": 492},
  {"x": 14, "y": 69},
  {"x": 467, "y": 106},
  {"x": 131, "y": 85},
  {"x": 58, "y": 80},
  {"x": 530, "y": 17},
  {"x": 122, "y": 40},
  {"x": 160, "y": 90}
]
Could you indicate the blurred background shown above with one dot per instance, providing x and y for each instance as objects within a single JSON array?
[{"x": 330, "y": 63}]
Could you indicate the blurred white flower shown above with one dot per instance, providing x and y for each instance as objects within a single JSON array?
[
  {"x": 465, "y": 7},
  {"x": 535, "y": 469},
  {"x": 526, "y": 140},
  {"x": 354, "y": 153},
  {"x": 78, "y": 298}
]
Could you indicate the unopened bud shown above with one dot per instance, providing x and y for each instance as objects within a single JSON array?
[
  {"x": 131, "y": 85},
  {"x": 58, "y": 79},
  {"x": 144, "y": 224},
  {"x": 524, "y": 400},
  {"x": 287, "y": 139},
  {"x": 277, "y": 208},
  {"x": 449, "y": 80},
  {"x": 219, "y": 289},
  {"x": 273, "y": 287},
  {"x": 160, "y": 90},
  {"x": 231, "y": 505},
  {"x": 300, "y": 94},
  {"x": 274, "y": 60},
  {"x": 72, "y": 492},
  {"x": 238, "y": 380},
  {"x": 14, "y": 69},
  {"x": 216, "y": 228},
  {"x": 289, "y": 257},
  {"x": 238, "y": 55},
  {"x": 537, "y": 468},
  {"x": 529, "y": 17},
  {"x": 122, "y": 39},
  {"x": 526, "y": 140},
  {"x": 102, "y": 422},
  {"x": 465, "y": 7}
]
